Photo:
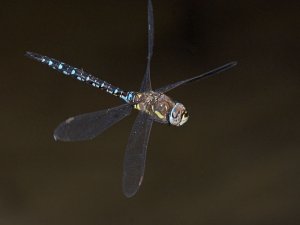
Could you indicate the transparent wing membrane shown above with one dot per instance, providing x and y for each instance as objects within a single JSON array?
[
  {"x": 90, "y": 125},
  {"x": 196, "y": 78},
  {"x": 146, "y": 84},
  {"x": 135, "y": 154}
]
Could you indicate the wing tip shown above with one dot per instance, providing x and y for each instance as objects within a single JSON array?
[
  {"x": 130, "y": 190},
  {"x": 55, "y": 137},
  {"x": 129, "y": 194},
  {"x": 60, "y": 137},
  {"x": 233, "y": 63}
]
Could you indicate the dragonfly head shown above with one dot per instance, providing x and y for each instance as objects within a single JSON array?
[{"x": 178, "y": 115}]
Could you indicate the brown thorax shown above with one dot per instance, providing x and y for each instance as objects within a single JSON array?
[{"x": 157, "y": 105}]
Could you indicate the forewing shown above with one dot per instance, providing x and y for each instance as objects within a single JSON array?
[
  {"x": 135, "y": 154},
  {"x": 146, "y": 84},
  {"x": 89, "y": 125},
  {"x": 196, "y": 78}
]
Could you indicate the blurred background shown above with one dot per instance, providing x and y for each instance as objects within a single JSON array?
[{"x": 235, "y": 162}]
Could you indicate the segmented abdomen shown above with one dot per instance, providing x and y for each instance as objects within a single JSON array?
[{"x": 80, "y": 75}]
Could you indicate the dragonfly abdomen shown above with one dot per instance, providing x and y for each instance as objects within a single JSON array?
[{"x": 81, "y": 75}]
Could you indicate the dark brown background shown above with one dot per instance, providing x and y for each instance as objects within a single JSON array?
[{"x": 235, "y": 162}]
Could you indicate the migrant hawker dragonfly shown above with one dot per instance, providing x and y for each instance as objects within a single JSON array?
[{"x": 153, "y": 105}]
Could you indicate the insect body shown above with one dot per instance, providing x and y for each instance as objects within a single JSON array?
[
  {"x": 153, "y": 105},
  {"x": 81, "y": 75},
  {"x": 161, "y": 108}
]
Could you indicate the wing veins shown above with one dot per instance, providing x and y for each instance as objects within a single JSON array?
[
  {"x": 146, "y": 83},
  {"x": 89, "y": 125},
  {"x": 215, "y": 71},
  {"x": 135, "y": 154}
]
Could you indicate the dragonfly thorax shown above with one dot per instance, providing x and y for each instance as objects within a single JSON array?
[{"x": 161, "y": 108}]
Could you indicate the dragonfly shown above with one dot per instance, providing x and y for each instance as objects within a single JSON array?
[{"x": 152, "y": 105}]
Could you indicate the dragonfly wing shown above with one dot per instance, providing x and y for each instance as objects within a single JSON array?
[
  {"x": 146, "y": 84},
  {"x": 89, "y": 125},
  {"x": 135, "y": 154},
  {"x": 196, "y": 78}
]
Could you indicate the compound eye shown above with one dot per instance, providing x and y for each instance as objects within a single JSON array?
[
  {"x": 174, "y": 114},
  {"x": 177, "y": 117}
]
